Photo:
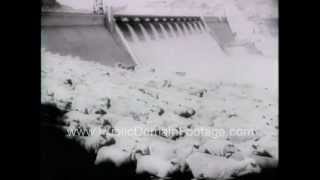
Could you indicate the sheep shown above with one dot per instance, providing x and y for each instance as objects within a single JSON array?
[
  {"x": 155, "y": 166},
  {"x": 113, "y": 154},
  {"x": 152, "y": 163},
  {"x": 215, "y": 167},
  {"x": 218, "y": 148}
]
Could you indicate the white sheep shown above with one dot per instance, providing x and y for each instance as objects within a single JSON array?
[
  {"x": 215, "y": 167},
  {"x": 155, "y": 165},
  {"x": 113, "y": 154},
  {"x": 218, "y": 148}
]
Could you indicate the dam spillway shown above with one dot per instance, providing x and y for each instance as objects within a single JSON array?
[
  {"x": 162, "y": 40},
  {"x": 130, "y": 39}
]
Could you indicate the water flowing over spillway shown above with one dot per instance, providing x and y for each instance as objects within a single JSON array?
[{"x": 174, "y": 44}]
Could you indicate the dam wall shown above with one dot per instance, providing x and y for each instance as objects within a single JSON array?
[
  {"x": 84, "y": 36},
  {"x": 135, "y": 39}
]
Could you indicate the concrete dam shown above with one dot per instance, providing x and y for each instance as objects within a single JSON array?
[{"x": 135, "y": 39}]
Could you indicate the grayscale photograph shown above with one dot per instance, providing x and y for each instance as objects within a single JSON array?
[{"x": 159, "y": 89}]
